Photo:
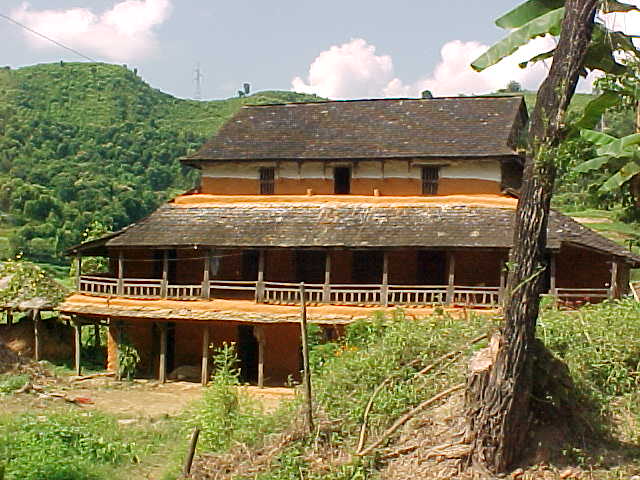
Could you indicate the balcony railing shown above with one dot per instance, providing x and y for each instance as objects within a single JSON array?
[{"x": 281, "y": 293}]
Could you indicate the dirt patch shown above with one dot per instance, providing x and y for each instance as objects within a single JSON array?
[
  {"x": 56, "y": 339},
  {"x": 592, "y": 220}
]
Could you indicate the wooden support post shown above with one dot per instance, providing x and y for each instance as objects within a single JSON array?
[
  {"x": 78, "y": 270},
  {"x": 162, "y": 373},
  {"x": 120, "y": 286},
  {"x": 326, "y": 288},
  {"x": 260, "y": 282},
  {"x": 165, "y": 274},
  {"x": 119, "y": 341},
  {"x": 9, "y": 317},
  {"x": 96, "y": 335},
  {"x": 553, "y": 288},
  {"x": 78, "y": 345},
  {"x": 384, "y": 289},
  {"x": 305, "y": 358},
  {"x": 503, "y": 280},
  {"x": 613, "y": 288},
  {"x": 451, "y": 280},
  {"x": 186, "y": 468},
  {"x": 37, "y": 341},
  {"x": 258, "y": 333},
  {"x": 205, "y": 356},
  {"x": 205, "y": 275}
]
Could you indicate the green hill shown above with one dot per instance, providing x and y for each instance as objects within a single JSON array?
[{"x": 83, "y": 143}]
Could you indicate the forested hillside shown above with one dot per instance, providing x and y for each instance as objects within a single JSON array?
[{"x": 83, "y": 143}]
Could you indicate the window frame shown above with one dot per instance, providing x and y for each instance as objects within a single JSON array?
[
  {"x": 430, "y": 175},
  {"x": 267, "y": 179}
]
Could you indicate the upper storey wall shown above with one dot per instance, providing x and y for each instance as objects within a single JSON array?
[{"x": 389, "y": 177}]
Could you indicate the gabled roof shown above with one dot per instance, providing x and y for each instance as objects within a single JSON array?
[
  {"x": 353, "y": 222},
  {"x": 361, "y": 129}
]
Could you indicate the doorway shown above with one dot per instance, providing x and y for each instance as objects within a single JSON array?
[{"x": 247, "y": 354}]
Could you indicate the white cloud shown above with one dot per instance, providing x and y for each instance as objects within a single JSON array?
[
  {"x": 125, "y": 32},
  {"x": 353, "y": 70}
]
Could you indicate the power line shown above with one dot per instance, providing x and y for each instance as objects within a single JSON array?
[{"x": 47, "y": 38}]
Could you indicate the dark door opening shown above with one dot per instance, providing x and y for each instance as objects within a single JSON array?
[
  {"x": 367, "y": 267},
  {"x": 247, "y": 354},
  {"x": 342, "y": 180},
  {"x": 310, "y": 266},
  {"x": 250, "y": 264},
  {"x": 432, "y": 268}
]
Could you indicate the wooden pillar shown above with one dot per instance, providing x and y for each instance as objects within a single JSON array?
[
  {"x": 96, "y": 334},
  {"x": 326, "y": 288},
  {"x": 205, "y": 356},
  {"x": 552, "y": 275},
  {"x": 205, "y": 275},
  {"x": 260, "y": 282},
  {"x": 165, "y": 274},
  {"x": 162, "y": 373},
  {"x": 503, "y": 280},
  {"x": 120, "y": 286},
  {"x": 384, "y": 290},
  {"x": 258, "y": 332},
  {"x": 78, "y": 345},
  {"x": 119, "y": 341},
  {"x": 78, "y": 270},
  {"x": 451, "y": 278},
  {"x": 305, "y": 358},
  {"x": 9, "y": 317},
  {"x": 613, "y": 289},
  {"x": 37, "y": 340}
]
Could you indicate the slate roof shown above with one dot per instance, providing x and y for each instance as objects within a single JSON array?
[
  {"x": 354, "y": 225},
  {"x": 361, "y": 129}
]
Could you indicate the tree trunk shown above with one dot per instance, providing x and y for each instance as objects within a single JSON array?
[{"x": 499, "y": 384}]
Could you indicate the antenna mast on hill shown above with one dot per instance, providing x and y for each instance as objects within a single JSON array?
[{"x": 198, "y": 79}]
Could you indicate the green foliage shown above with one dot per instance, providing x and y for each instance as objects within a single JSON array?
[
  {"x": 27, "y": 281},
  {"x": 10, "y": 383},
  {"x": 83, "y": 142},
  {"x": 92, "y": 265},
  {"x": 63, "y": 446},
  {"x": 128, "y": 359},
  {"x": 226, "y": 416}
]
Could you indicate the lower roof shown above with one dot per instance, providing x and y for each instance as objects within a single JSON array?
[{"x": 458, "y": 221}]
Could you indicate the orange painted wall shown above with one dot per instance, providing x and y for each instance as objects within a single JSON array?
[
  {"x": 292, "y": 186},
  {"x": 230, "y": 186},
  {"x": 465, "y": 186}
]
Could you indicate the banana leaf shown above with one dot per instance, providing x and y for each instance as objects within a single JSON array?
[
  {"x": 526, "y": 12},
  {"x": 548, "y": 23},
  {"x": 627, "y": 172},
  {"x": 595, "y": 108},
  {"x": 597, "y": 138}
]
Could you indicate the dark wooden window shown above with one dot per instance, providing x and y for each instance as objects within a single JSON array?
[
  {"x": 267, "y": 180},
  {"x": 342, "y": 180},
  {"x": 430, "y": 176}
]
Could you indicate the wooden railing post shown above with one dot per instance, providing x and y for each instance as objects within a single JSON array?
[
  {"x": 205, "y": 275},
  {"x": 384, "y": 288},
  {"x": 165, "y": 274},
  {"x": 613, "y": 287},
  {"x": 451, "y": 278},
  {"x": 260, "y": 282},
  {"x": 120, "y": 287},
  {"x": 326, "y": 288}
]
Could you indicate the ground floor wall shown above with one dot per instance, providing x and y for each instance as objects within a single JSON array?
[{"x": 280, "y": 342}]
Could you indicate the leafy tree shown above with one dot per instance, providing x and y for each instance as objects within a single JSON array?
[{"x": 499, "y": 387}]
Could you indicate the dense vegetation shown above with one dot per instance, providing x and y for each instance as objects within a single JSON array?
[{"x": 83, "y": 143}]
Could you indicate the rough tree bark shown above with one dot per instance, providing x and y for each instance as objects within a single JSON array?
[{"x": 499, "y": 384}]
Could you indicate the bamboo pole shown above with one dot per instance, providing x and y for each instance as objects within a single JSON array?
[
  {"x": 305, "y": 358},
  {"x": 162, "y": 373},
  {"x": 78, "y": 346},
  {"x": 186, "y": 469},
  {"x": 37, "y": 341}
]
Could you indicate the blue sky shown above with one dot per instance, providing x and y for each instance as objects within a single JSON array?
[{"x": 336, "y": 48}]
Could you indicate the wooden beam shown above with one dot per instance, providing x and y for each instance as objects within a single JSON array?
[
  {"x": 258, "y": 333},
  {"x": 326, "y": 288},
  {"x": 553, "y": 287},
  {"x": 120, "y": 286},
  {"x": 162, "y": 373},
  {"x": 260, "y": 282},
  {"x": 78, "y": 270},
  {"x": 305, "y": 358},
  {"x": 205, "y": 356},
  {"x": 165, "y": 274},
  {"x": 78, "y": 346},
  {"x": 451, "y": 278},
  {"x": 37, "y": 340},
  {"x": 613, "y": 289},
  {"x": 119, "y": 340},
  {"x": 384, "y": 289},
  {"x": 205, "y": 275}
]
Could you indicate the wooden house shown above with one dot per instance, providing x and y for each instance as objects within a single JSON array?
[{"x": 373, "y": 204}]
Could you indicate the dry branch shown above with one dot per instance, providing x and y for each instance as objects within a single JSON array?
[{"x": 407, "y": 416}]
